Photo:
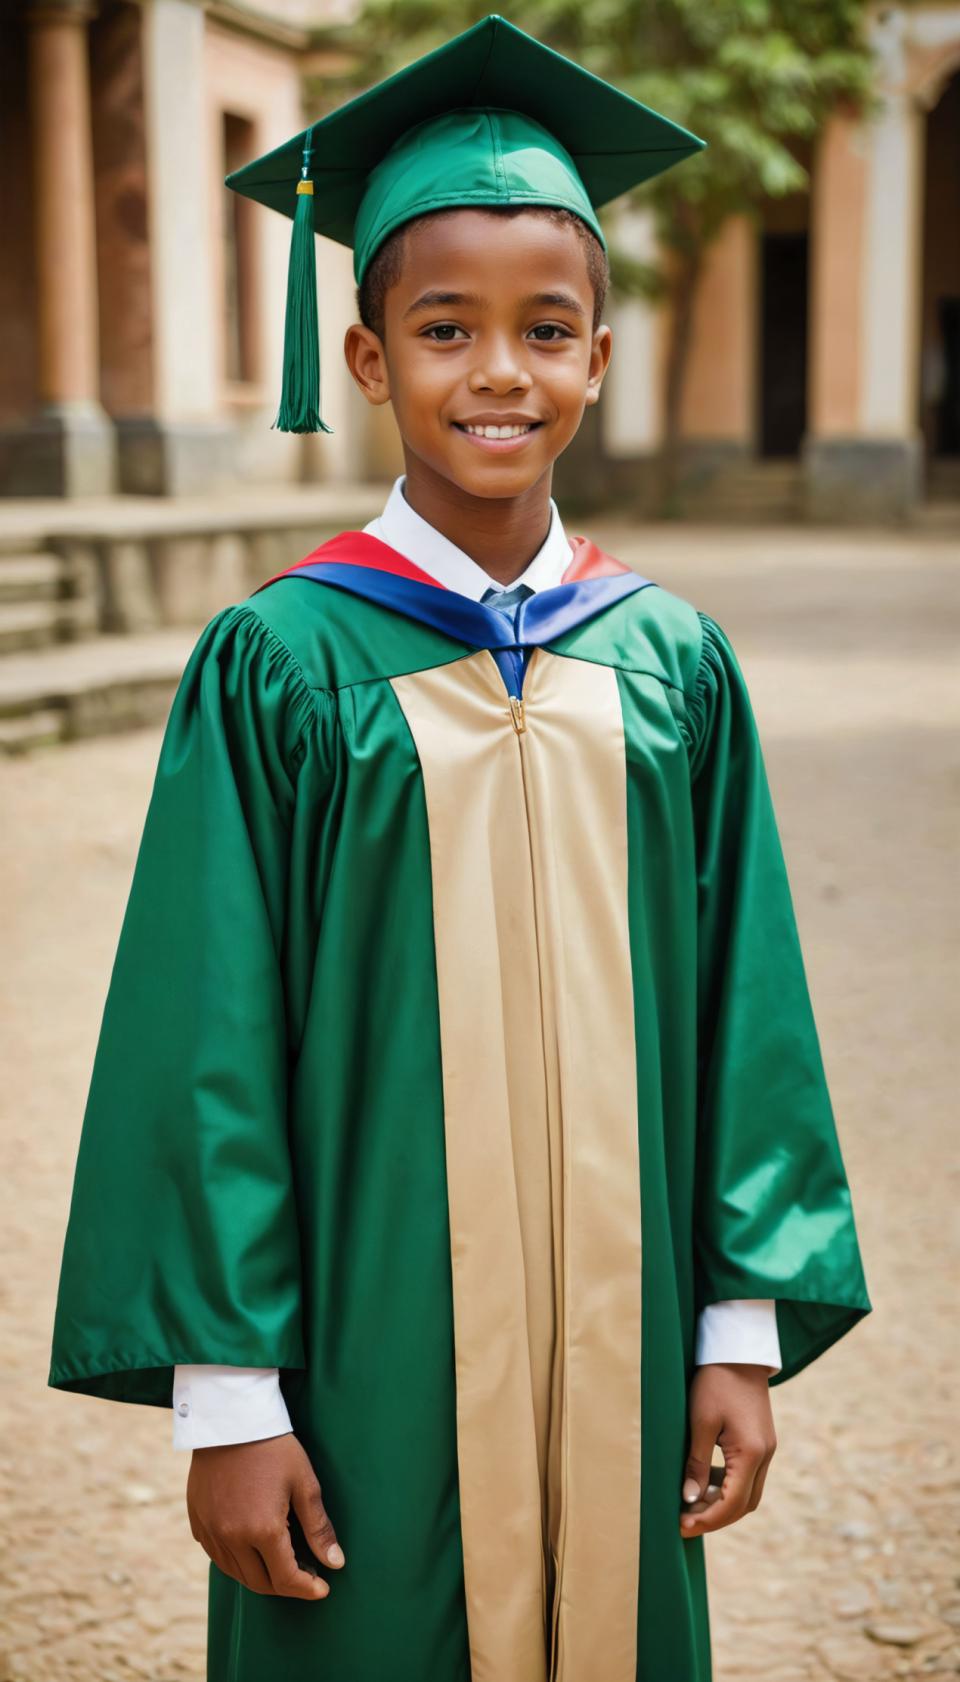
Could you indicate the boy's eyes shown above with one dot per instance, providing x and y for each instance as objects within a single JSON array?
[{"x": 442, "y": 332}]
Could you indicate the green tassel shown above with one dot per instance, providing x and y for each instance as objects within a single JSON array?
[{"x": 300, "y": 391}]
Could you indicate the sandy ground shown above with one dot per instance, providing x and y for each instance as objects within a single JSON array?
[{"x": 849, "y": 1569}]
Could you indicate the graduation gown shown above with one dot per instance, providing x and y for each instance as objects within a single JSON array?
[{"x": 457, "y": 1052}]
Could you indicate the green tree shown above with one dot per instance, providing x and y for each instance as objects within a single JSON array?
[{"x": 756, "y": 79}]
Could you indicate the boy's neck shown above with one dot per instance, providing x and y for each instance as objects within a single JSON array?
[{"x": 501, "y": 534}]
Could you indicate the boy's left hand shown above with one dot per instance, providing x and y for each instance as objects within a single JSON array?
[{"x": 729, "y": 1405}]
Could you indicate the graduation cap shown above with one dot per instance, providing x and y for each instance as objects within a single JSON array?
[{"x": 491, "y": 117}]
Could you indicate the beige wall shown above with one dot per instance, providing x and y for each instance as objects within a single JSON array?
[
  {"x": 631, "y": 407},
  {"x": 836, "y": 266},
  {"x": 185, "y": 321},
  {"x": 867, "y": 257},
  {"x": 259, "y": 82},
  {"x": 719, "y": 401}
]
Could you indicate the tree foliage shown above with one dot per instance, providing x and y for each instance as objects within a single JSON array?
[{"x": 755, "y": 79}]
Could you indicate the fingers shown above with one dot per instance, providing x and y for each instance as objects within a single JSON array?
[
  {"x": 247, "y": 1566},
  {"x": 704, "y": 1429},
  {"x": 285, "y": 1575},
  {"x": 223, "y": 1557},
  {"x": 759, "y": 1482},
  {"x": 743, "y": 1465},
  {"x": 729, "y": 1406},
  {"x": 270, "y": 1567},
  {"x": 710, "y": 1494},
  {"x": 307, "y": 1502},
  {"x": 239, "y": 1499}
]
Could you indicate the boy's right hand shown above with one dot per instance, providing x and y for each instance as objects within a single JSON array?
[{"x": 238, "y": 1499}]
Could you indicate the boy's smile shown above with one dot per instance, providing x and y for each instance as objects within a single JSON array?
[
  {"x": 497, "y": 434},
  {"x": 489, "y": 357}
]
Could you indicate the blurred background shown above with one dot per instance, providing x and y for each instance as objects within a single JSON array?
[
  {"x": 810, "y": 264},
  {"x": 786, "y": 307},
  {"x": 778, "y": 441}
]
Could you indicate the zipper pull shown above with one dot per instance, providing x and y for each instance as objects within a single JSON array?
[{"x": 516, "y": 713}]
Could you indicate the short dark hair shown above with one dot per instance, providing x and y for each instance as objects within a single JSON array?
[{"x": 386, "y": 265}]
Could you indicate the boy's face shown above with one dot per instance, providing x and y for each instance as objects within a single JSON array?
[{"x": 490, "y": 323}]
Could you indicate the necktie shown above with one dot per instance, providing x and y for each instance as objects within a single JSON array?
[{"x": 507, "y": 601}]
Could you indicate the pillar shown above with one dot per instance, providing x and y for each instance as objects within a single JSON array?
[
  {"x": 863, "y": 457},
  {"x": 630, "y": 407},
  {"x": 719, "y": 395},
  {"x": 69, "y": 448},
  {"x": 185, "y": 446}
]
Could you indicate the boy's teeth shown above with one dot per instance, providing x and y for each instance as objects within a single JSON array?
[{"x": 498, "y": 431}]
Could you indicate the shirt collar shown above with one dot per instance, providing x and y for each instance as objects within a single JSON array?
[{"x": 413, "y": 536}]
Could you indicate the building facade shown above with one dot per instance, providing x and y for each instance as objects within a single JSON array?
[
  {"x": 826, "y": 344},
  {"x": 141, "y": 304}
]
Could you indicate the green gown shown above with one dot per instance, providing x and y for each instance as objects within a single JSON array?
[{"x": 457, "y": 1053}]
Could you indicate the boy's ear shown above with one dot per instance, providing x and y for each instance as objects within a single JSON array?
[
  {"x": 365, "y": 358},
  {"x": 600, "y": 354}
]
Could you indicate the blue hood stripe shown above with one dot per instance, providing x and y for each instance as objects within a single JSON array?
[{"x": 541, "y": 619}]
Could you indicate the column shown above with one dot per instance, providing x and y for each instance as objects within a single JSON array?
[
  {"x": 863, "y": 458},
  {"x": 836, "y": 279},
  {"x": 893, "y": 241},
  {"x": 69, "y": 450},
  {"x": 185, "y": 447},
  {"x": 832, "y": 447},
  {"x": 630, "y": 407},
  {"x": 718, "y": 419}
]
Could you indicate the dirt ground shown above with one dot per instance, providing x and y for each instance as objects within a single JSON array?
[{"x": 850, "y": 1568}]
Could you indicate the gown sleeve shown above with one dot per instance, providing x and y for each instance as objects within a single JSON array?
[
  {"x": 182, "y": 1241},
  {"x": 773, "y": 1214}
]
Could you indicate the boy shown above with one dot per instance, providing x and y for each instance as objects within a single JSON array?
[{"x": 458, "y": 1136}]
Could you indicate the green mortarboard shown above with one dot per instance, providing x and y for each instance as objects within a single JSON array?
[{"x": 492, "y": 117}]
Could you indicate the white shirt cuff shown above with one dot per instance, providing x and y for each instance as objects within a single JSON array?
[
  {"x": 743, "y": 1329},
  {"x": 215, "y": 1405}
]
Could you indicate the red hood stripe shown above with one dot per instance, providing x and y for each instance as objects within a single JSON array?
[{"x": 361, "y": 548}]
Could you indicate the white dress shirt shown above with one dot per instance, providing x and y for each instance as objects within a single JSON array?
[{"x": 215, "y": 1405}]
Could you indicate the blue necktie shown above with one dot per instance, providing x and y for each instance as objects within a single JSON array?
[{"x": 507, "y": 601}]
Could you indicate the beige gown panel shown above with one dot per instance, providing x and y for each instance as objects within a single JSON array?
[{"x": 528, "y": 849}]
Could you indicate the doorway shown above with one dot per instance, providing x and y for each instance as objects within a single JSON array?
[
  {"x": 784, "y": 268},
  {"x": 940, "y": 322}
]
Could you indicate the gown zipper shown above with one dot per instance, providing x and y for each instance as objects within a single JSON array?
[{"x": 552, "y": 1622}]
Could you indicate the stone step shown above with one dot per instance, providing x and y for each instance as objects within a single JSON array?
[
  {"x": 37, "y": 577},
  {"x": 749, "y": 493},
  {"x": 724, "y": 506},
  {"x": 939, "y": 516},
  {"x": 741, "y": 497},
  {"x": 782, "y": 474},
  {"x": 40, "y": 624},
  {"x": 93, "y": 687},
  {"x": 760, "y": 485},
  {"x": 30, "y": 730},
  {"x": 725, "y": 503},
  {"x": 943, "y": 481},
  {"x": 41, "y": 522}
]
